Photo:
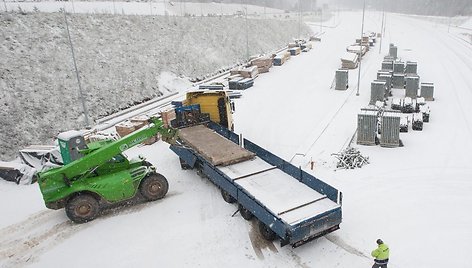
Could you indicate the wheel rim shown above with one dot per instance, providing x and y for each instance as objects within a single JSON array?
[
  {"x": 83, "y": 209},
  {"x": 154, "y": 188}
]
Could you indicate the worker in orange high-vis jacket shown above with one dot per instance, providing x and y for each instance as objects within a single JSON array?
[{"x": 380, "y": 254}]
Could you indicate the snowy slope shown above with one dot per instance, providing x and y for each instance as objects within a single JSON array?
[
  {"x": 120, "y": 60},
  {"x": 416, "y": 197},
  {"x": 141, "y": 8}
]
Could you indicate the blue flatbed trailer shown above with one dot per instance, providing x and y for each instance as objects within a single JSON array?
[{"x": 289, "y": 203}]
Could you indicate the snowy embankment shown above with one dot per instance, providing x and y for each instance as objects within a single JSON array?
[
  {"x": 141, "y": 8},
  {"x": 120, "y": 59}
]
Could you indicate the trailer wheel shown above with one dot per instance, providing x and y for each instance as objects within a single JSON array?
[
  {"x": 154, "y": 187},
  {"x": 82, "y": 208},
  {"x": 266, "y": 232},
  {"x": 227, "y": 197},
  {"x": 245, "y": 213}
]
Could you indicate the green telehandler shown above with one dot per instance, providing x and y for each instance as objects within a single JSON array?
[{"x": 97, "y": 173}]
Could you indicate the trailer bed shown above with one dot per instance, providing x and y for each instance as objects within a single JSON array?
[
  {"x": 287, "y": 198},
  {"x": 213, "y": 147}
]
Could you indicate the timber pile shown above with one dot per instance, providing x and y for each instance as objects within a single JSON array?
[
  {"x": 350, "y": 158},
  {"x": 263, "y": 64}
]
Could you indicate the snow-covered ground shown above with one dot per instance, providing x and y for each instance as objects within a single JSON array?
[
  {"x": 142, "y": 8},
  {"x": 415, "y": 198}
]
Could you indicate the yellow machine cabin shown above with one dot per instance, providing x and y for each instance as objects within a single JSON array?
[{"x": 214, "y": 102}]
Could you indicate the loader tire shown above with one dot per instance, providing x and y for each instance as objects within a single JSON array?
[
  {"x": 245, "y": 213},
  {"x": 82, "y": 208},
  {"x": 154, "y": 187},
  {"x": 227, "y": 197},
  {"x": 266, "y": 232}
]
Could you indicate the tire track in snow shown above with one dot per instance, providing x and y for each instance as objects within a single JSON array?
[{"x": 24, "y": 242}]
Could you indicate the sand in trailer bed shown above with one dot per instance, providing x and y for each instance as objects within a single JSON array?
[{"x": 218, "y": 150}]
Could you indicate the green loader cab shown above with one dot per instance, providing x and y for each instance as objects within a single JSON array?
[{"x": 97, "y": 174}]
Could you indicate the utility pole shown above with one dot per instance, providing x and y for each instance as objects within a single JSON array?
[
  {"x": 81, "y": 95},
  {"x": 247, "y": 35},
  {"x": 321, "y": 20},
  {"x": 114, "y": 8},
  {"x": 382, "y": 27},
  {"x": 299, "y": 19},
  {"x": 5, "y": 4},
  {"x": 360, "y": 52}
]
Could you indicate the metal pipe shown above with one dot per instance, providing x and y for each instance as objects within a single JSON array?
[
  {"x": 360, "y": 52},
  {"x": 81, "y": 95}
]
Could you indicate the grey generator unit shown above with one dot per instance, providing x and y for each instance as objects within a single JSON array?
[
  {"x": 411, "y": 67},
  {"x": 342, "y": 79},
  {"x": 392, "y": 52},
  {"x": 367, "y": 127},
  {"x": 378, "y": 90},
  {"x": 412, "y": 86},
  {"x": 390, "y": 129},
  {"x": 398, "y": 81},
  {"x": 387, "y": 65},
  {"x": 398, "y": 67},
  {"x": 427, "y": 91},
  {"x": 388, "y": 82}
]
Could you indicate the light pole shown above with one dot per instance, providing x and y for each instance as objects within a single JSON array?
[
  {"x": 360, "y": 52},
  {"x": 81, "y": 95}
]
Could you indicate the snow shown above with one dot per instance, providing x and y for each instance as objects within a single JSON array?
[
  {"x": 141, "y": 8},
  {"x": 414, "y": 197}
]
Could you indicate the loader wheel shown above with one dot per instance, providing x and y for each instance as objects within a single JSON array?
[
  {"x": 245, "y": 213},
  {"x": 82, "y": 208},
  {"x": 154, "y": 187},
  {"x": 227, "y": 197},
  {"x": 266, "y": 232}
]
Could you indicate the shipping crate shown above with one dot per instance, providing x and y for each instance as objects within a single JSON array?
[
  {"x": 398, "y": 81},
  {"x": 398, "y": 67},
  {"x": 390, "y": 130},
  {"x": 412, "y": 86},
  {"x": 233, "y": 83},
  {"x": 427, "y": 91},
  {"x": 342, "y": 80},
  {"x": 245, "y": 83},
  {"x": 387, "y": 65},
  {"x": 377, "y": 91},
  {"x": 411, "y": 67},
  {"x": 367, "y": 127}
]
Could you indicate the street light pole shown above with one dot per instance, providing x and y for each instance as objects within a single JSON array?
[
  {"x": 360, "y": 52},
  {"x": 81, "y": 95}
]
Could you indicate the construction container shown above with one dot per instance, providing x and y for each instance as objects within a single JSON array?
[
  {"x": 388, "y": 82},
  {"x": 392, "y": 52},
  {"x": 399, "y": 67},
  {"x": 367, "y": 127},
  {"x": 412, "y": 86},
  {"x": 377, "y": 91},
  {"x": 411, "y": 67},
  {"x": 404, "y": 122},
  {"x": 233, "y": 83},
  {"x": 349, "y": 60},
  {"x": 398, "y": 81},
  {"x": 427, "y": 91},
  {"x": 295, "y": 51},
  {"x": 390, "y": 129},
  {"x": 342, "y": 79},
  {"x": 387, "y": 65},
  {"x": 245, "y": 83}
]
